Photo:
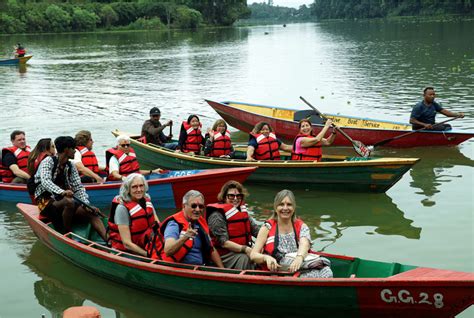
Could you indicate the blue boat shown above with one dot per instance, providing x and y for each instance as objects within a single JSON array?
[
  {"x": 15, "y": 61},
  {"x": 166, "y": 189}
]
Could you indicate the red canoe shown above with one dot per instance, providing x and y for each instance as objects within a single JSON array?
[{"x": 284, "y": 121}]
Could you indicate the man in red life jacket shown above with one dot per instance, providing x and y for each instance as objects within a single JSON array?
[
  {"x": 14, "y": 165},
  {"x": 152, "y": 130},
  {"x": 19, "y": 51},
  {"x": 122, "y": 161},
  {"x": 186, "y": 234}
]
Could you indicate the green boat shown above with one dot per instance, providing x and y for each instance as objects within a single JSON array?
[
  {"x": 338, "y": 173},
  {"x": 360, "y": 288}
]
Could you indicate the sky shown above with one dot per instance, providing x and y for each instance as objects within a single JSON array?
[{"x": 285, "y": 3}]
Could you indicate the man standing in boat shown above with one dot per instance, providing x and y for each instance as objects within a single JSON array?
[
  {"x": 424, "y": 113},
  {"x": 14, "y": 164},
  {"x": 152, "y": 130}
]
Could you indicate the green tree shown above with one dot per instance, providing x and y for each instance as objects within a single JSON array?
[
  {"x": 83, "y": 20},
  {"x": 108, "y": 16},
  {"x": 59, "y": 20},
  {"x": 187, "y": 18}
]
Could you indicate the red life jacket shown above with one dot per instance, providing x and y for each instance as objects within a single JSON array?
[
  {"x": 238, "y": 224},
  {"x": 38, "y": 161},
  {"x": 309, "y": 153},
  {"x": 267, "y": 147},
  {"x": 128, "y": 164},
  {"x": 222, "y": 144},
  {"x": 20, "y": 52},
  {"x": 141, "y": 223},
  {"x": 193, "y": 140},
  {"x": 183, "y": 224},
  {"x": 272, "y": 239},
  {"x": 89, "y": 159},
  {"x": 21, "y": 160}
]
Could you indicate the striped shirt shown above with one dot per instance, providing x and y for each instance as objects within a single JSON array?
[{"x": 44, "y": 178}]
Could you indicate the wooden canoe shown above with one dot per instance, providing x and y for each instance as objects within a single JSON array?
[
  {"x": 340, "y": 173},
  {"x": 166, "y": 190},
  {"x": 360, "y": 288},
  {"x": 284, "y": 121},
  {"x": 15, "y": 61}
]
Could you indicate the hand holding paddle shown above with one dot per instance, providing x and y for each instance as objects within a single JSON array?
[{"x": 358, "y": 146}]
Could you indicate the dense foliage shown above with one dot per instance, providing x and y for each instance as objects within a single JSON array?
[
  {"x": 83, "y": 15},
  {"x": 264, "y": 11},
  {"x": 330, "y": 9}
]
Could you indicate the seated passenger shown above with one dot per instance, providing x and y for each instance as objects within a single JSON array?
[
  {"x": 85, "y": 159},
  {"x": 307, "y": 145},
  {"x": 264, "y": 144},
  {"x": 283, "y": 233},
  {"x": 190, "y": 136},
  {"x": 232, "y": 227},
  {"x": 152, "y": 130},
  {"x": 122, "y": 161},
  {"x": 44, "y": 148},
  {"x": 186, "y": 234},
  {"x": 14, "y": 165},
  {"x": 132, "y": 217},
  {"x": 217, "y": 141},
  {"x": 19, "y": 51},
  {"x": 57, "y": 183}
]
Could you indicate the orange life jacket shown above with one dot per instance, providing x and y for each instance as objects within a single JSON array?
[
  {"x": 238, "y": 224},
  {"x": 38, "y": 161},
  {"x": 183, "y": 224},
  {"x": 21, "y": 160},
  {"x": 193, "y": 140},
  {"x": 267, "y": 147},
  {"x": 89, "y": 159},
  {"x": 222, "y": 144},
  {"x": 309, "y": 153},
  {"x": 128, "y": 164},
  {"x": 271, "y": 244},
  {"x": 141, "y": 223}
]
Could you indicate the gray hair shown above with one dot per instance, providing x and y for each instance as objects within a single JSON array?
[
  {"x": 122, "y": 138},
  {"x": 280, "y": 196},
  {"x": 192, "y": 194},
  {"x": 124, "y": 193}
]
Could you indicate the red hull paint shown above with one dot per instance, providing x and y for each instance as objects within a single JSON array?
[{"x": 287, "y": 130}]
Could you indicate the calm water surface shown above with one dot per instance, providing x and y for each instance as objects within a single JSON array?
[{"x": 105, "y": 81}]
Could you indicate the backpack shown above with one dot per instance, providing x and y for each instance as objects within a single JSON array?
[{"x": 31, "y": 185}]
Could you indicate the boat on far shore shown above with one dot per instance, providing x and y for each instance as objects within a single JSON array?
[
  {"x": 284, "y": 121},
  {"x": 15, "y": 61}
]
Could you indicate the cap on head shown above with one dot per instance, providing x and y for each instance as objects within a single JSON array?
[{"x": 155, "y": 111}]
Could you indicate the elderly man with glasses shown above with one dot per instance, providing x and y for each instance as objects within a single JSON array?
[
  {"x": 122, "y": 160},
  {"x": 186, "y": 234}
]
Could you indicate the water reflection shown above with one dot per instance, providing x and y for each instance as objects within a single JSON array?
[
  {"x": 63, "y": 285},
  {"x": 329, "y": 214}
]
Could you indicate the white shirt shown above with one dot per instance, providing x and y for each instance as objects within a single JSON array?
[
  {"x": 77, "y": 157},
  {"x": 113, "y": 164}
]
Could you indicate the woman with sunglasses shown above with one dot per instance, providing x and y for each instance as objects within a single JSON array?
[
  {"x": 122, "y": 160},
  {"x": 232, "y": 227}
]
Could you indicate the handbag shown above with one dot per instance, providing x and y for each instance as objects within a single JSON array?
[{"x": 311, "y": 261}]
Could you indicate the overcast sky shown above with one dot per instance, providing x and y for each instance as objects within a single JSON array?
[{"x": 285, "y": 3}]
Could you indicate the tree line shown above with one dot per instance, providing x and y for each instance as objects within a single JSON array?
[
  {"x": 36, "y": 16},
  {"x": 343, "y": 9}
]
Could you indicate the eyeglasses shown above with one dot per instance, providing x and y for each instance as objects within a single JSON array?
[
  {"x": 194, "y": 205},
  {"x": 125, "y": 145},
  {"x": 233, "y": 196}
]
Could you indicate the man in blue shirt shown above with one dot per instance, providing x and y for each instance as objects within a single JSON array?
[{"x": 424, "y": 113}]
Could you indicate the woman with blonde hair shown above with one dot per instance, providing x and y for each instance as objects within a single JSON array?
[{"x": 217, "y": 141}]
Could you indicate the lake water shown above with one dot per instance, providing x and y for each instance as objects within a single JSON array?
[{"x": 104, "y": 81}]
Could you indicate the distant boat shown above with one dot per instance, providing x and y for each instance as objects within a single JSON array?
[
  {"x": 16, "y": 61},
  {"x": 284, "y": 121},
  {"x": 360, "y": 287}
]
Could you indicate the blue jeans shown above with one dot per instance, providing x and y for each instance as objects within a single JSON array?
[{"x": 170, "y": 145}]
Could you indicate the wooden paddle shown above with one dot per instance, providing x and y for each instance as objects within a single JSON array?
[
  {"x": 358, "y": 146},
  {"x": 89, "y": 208},
  {"x": 383, "y": 142}
]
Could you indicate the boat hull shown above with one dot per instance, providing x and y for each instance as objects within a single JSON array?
[
  {"x": 245, "y": 120},
  {"x": 373, "y": 175},
  {"x": 16, "y": 61},
  {"x": 447, "y": 292},
  {"x": 165, "y": 192}
]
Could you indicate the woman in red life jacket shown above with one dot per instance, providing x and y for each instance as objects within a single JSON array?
[
  {"x": 283, "y": 233},
  {"x": 190, "y": 136},
  {"x": 307, "y": 145},
  {"x": 231, "y": 226},
  {"x": 44, "y": 148},
  {"x": 264, "y": 144},
  {"x": 217, "y": 141},
  {"x": 132, "y": 217},
  {"x": 85, "y": 159},
  {"x": 19, "y": 51}
]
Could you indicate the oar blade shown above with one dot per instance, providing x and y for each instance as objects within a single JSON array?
[{"x": 361, "y": 149}]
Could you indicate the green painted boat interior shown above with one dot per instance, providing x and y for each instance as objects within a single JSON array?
[{"x": 344, "y": 267}]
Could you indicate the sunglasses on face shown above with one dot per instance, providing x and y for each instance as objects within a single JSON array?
[
  {"x": 233, "y": 196},
  {"x": 124, "y": 145},
  {"x": 194, "y": 205}
]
